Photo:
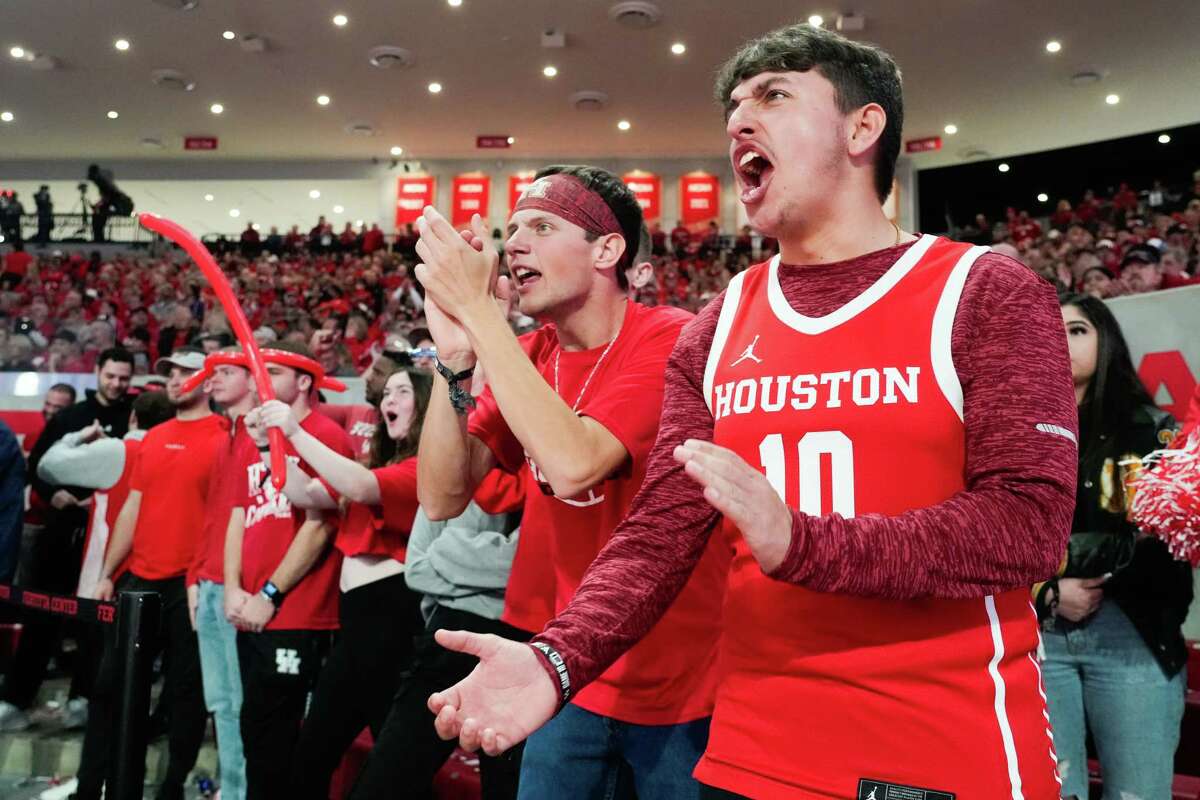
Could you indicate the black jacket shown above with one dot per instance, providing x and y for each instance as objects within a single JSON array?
[
  {"x": 115, "y": 419},
  {"x": 1152, "y": 588}
]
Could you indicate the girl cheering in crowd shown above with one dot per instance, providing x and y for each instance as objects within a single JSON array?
[
  {"x": 379, "y": 615},
  {"x": 1111, "y": 623}
]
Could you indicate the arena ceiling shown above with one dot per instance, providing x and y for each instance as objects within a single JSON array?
[{"x": 981, "y": 65}]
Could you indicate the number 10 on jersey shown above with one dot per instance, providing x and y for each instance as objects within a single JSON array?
[{"x": 810, "y": 448}]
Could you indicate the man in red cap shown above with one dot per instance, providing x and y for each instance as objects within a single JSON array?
[
  {"x": 578, "y": 401},
  {"x": 281, "y": 581}
]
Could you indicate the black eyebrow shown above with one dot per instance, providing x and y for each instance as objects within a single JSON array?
[{"x": 759, "y": 90}]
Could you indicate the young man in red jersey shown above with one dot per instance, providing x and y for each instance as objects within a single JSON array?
[
  {"x": 234, "y": 390},
  {"x": 578, "y": 402},
  {"x": 883, "y": 427},
  {"x": 158, "y": 531},
  {"x": 281, "y": 583}
]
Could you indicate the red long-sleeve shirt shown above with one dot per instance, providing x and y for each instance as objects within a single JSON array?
[{"x": 1008, "y": 528}]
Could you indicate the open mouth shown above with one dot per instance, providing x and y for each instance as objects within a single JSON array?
[
  {"x": 524, "y": 276},
  {"x": 391, "y": 417},
  {"x": 754, "y": 171}
]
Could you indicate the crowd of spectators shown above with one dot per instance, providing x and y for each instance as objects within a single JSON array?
[{"x": 348, "y": 293}]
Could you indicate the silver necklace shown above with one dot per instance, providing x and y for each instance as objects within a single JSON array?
[{"x": 575, "y": 408}]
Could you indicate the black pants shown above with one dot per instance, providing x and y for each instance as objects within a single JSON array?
[
  {"x": 279, "y": 670},
  {"x": 408, "y": 752},
  {"x": 51, "y": 566},
  {"x": 182, "y": 689},
  {"x": 379, "y": 622}
]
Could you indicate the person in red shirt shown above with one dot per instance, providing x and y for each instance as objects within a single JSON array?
[
  {"x": 856, "y": 416},
  {"x": 576, "y": 400},
  {"x": 681, "y": 237},
  {"x": 372, "y": 240},
  {"x": 379, "y": 617},
  {"x": 158, "y": 530},
  {"x": 233, "y": 389},
  {"x": 281, "y": 578}
]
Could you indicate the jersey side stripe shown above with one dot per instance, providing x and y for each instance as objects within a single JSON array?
[
  {"x": 943, "y": 327},
  {"x": 729, "y": 308}
]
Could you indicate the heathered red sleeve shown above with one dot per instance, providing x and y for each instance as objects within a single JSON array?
[{"x": 1009, "y": 526}]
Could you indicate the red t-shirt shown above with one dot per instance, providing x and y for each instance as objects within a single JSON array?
[
  {"x": 359, "y": 423},
  {"x": 271, "y": 525},
  {"x": 17, "y": 262},
  {"x": 102, "y": 518},
  {"x": 382, "y": 530},
  {"x": 235, "y": 454},
  {"x": 172, "y": 473},
  {"x": 670, "y": 676}
]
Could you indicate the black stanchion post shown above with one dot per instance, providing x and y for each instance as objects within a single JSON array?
[{"x": 138, "y": 615}]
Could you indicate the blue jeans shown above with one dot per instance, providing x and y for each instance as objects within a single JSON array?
[
  {"x": 585, "y": 756},
  {"x": 222, "y": 686},
  {"x": 1101, "y": 675}
]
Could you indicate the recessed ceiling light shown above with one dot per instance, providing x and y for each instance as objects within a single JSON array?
[
  {"x": 624, "y": 125},
  {"x": 314, "y": 194},
  {"x": 951, "y": 130},
  {"x": 112, "y": 115},
  {"x": 1003, "y": 167},
  {"x": 550, "y": 71},
  {"x": 454, "y": 3},
  {"x": 1164, "y": 138},
  {"x": 216, "y": 108},
  {"x": 338, "y": 209},
  {"x": 233, "y": 212},
  {"x": 679, "y": 48},
  {"x": 6, "y": 116},
  {"x": 17, "y": 52},
  {"x": 208, "y": 198},
  {"x": 256, "y": 226},
  {"x": 435, "y": 87},
  {"x": 397, "y": 150},
  {"x": 121, "y": 44},
  {"x": 358, "y": 223},
  {"x": 229, "y": 36},
  {"x": 1043, "y": 197},
  {"x": 1053, "y": 46},
  {"x": 322, "y": 99},
  {"x": 512, "y": 140},
  {"x": 340, "y": 20},
  {"x": 816, "y": 20},
  {"x": 1113, "y": 99}
]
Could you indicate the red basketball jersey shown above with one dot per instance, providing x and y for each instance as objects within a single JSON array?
[{"x": 832, "y": 695}]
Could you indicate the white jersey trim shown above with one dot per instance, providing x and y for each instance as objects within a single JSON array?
[
  {"x": 1006, "y": 734},
  {"x": 729, "y": 309},
  {"x": 943, "y": 328},
  {"x": 815, "y": 325}
]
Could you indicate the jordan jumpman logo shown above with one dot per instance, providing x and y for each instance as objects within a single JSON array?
[{"x": 748, "y": 353}]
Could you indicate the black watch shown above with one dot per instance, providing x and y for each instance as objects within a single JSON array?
[{"x": 272, "y": 593}]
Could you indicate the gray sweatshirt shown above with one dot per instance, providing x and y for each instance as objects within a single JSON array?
[
  {"x": 94, "y": 465},
  {"x": 461, "y": 563}
]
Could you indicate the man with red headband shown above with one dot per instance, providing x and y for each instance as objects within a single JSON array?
[
  {"x": 883, "y": 427},
  {"x": 281, "y": 580},
  {"x": 159, "y": 530},
  {"x": 578, "y": 400}
]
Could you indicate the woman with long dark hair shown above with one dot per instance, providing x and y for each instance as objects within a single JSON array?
[
  {"x": 1111, "y": 622},
  {"x": 379, "y": 615}
]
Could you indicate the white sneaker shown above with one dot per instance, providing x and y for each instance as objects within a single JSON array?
[
  {"x": 75, "y": 714},
  {"x": 12, "y": 719},
  {"x": 60, "y": 792}
]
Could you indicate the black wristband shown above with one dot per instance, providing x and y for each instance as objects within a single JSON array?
[
  {"x": 272, "y": 593},
  {"x": 560, "y": 667},
  {"x": 460, "y": 398},
  {"x": 264, "y": 448}
]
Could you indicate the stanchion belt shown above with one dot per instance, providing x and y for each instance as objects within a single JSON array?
[{"x": 66, "y": 606}]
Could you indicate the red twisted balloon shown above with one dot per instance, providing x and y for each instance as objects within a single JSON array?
[{"x": 237, "y": 318}]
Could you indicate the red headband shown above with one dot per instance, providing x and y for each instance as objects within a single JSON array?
[{"x": 567, "y": 197}]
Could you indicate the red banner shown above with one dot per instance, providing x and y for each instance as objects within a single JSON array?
[
  {"x": 469, "y": 196},
  {"x": 647, "y": 188},
  {"x": 517, "y": 184},
  {"x": 699, "y": 198},
  {"x": 413, "y": 193}
]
